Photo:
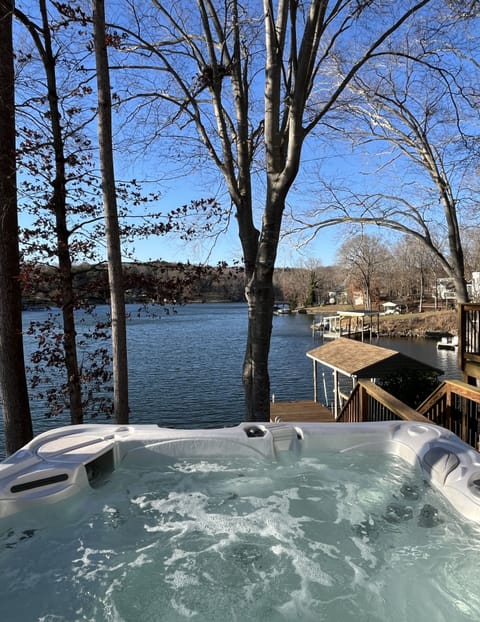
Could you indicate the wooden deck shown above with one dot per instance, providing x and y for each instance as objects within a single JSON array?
[{"x": 305, "y": 411}]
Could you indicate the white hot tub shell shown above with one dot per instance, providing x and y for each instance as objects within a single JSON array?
[{"x": 60, "y": 463}]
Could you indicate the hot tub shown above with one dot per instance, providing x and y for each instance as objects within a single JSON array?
[{"x": 330, "y": 522}]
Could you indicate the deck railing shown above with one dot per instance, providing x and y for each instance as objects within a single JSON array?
[
  {"x": 469, "y": 338},
  {"x": 454, "y": 405},
  {"x": 369, "y": 402}
]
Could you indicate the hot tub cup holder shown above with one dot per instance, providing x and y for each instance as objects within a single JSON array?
[{"x": 255, "y": 431}]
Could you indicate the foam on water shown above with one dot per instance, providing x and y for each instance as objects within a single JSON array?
[{"x": 361, "y": 538}]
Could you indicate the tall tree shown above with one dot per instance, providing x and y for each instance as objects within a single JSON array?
[
  {"x": 364, "y": 258},
  {"x": 220, "y": 44},
  {"x": 112, "y": 232},
  {"x": 13, "y": 386},
  {"x": 57, "y": 203},
  {"x": 414, "y": 267}
]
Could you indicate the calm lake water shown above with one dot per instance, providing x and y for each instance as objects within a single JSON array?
[{"x": 186, "y": 367}]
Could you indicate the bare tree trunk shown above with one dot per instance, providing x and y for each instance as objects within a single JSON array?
[
  {"x": 256, "y": 381},
  {"x": 13, "y": 385},
  {"x": 457, "y": 260},
  {"x": 367, "y": 303},
  {"x": 259, "y": 293},
  {"x": 420, "y": 302},
  {"x": 115, "y": 275},
  {"x": 458, "y": 276}
]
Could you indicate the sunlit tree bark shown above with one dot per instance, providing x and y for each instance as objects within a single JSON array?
[
  {"x": 115, "y": 275},
  {"x": 13, "y": 386}
]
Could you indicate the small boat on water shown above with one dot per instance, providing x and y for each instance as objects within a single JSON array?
[
  {"x": 448, "y": 343},
  {"x": 282, "y": 309}
]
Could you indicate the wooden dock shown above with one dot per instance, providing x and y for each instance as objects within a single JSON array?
[
  {"x": 351, "y": 324},
  {"x": 303, "y": 412}
]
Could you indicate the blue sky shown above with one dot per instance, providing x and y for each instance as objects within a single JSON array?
[
  {"x": 226, "y": 247},
  {"x": 179, "y": 190}
]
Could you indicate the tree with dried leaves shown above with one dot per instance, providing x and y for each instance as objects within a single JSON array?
[
  {"x": 61, "y": 198},
  {"x": 56, "y": 198}
]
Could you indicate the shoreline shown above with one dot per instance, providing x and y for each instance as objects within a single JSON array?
[{"x": 426, "y": 325}]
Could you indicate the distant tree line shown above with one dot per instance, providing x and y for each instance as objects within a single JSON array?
[
  {"x": 366, "y": 267},
  {"x": 156, "y": 282},
  {"x": 369, "y": 270}
]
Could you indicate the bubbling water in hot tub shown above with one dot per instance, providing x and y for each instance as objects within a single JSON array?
[{"x": 342, "y": 536}]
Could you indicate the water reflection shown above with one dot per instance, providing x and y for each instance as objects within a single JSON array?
[{"x": 425, "y": 350}]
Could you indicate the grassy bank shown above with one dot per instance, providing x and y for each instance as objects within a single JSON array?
[{"x": 429, "y": 323}]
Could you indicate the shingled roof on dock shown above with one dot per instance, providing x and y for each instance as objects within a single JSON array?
[{"x": 364, "y": 360}]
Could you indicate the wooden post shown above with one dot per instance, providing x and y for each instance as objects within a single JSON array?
[
  {"x": 448, "y": 410},
  {"x": 335, "y": 394},
  {"x": 315, "y": 397},
  {"x": 363, "y": 398},
  {"x": 465, "y": 430},
  {"x": 461, "y": 337}
]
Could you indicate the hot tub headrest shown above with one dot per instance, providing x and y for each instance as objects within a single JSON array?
[{"x": 440, "y": 462}]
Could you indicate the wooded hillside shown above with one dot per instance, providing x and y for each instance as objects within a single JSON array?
[{"x": 159, "y": 282}]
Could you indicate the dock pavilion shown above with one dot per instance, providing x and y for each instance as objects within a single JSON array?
[
  {"x": 360, "y": 325},
  {"x": 349, "y": 360}
]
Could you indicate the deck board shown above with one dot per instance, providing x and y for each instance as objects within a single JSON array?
[{"x": 304, "y": 411}]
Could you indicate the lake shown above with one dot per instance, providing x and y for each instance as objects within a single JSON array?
[{"x": 186, "y": 366}]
